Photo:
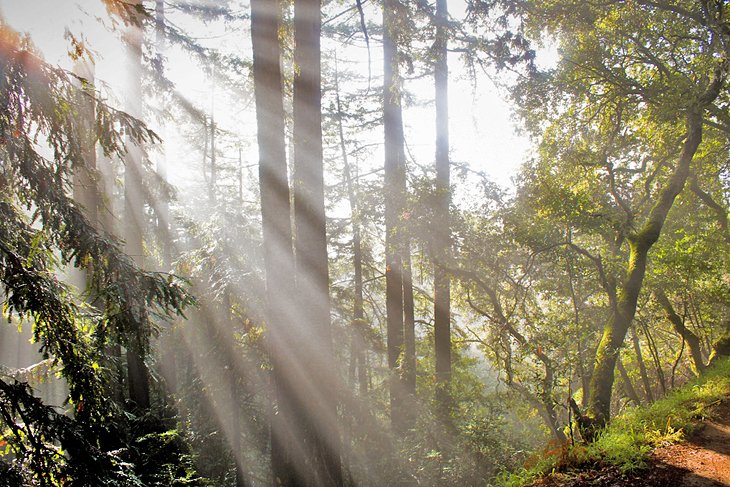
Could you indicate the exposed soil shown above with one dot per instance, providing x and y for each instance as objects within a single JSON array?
[{"x": 702, "y": 461}]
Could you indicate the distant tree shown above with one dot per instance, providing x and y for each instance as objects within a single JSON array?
[
  {"x": 312, "y": 338},
  {"x": 135, "y": 217},
  {"x": 358, "y": 363},
  {"x": 395, "y": 200},
  {"x": 442, "y": 226}
]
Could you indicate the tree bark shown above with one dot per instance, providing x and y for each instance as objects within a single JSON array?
[
  {"x": 695, "y": 350},
  {"x": 319, "y": 414},
  {"x": 442, "y": 224},
  {"x": 628, "y": 386},
  {"x": 395, "y": 182},
  {"x": 135, "y": 219},
  {"x": 599, "y": 406},
  {"x": 276, "y": 227}
]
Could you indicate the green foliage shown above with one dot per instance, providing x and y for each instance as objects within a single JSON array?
[
  {"x": 627, "y": 442},
  {"x": 50, "y": 448},
  {"x": 42, "y": 230}
]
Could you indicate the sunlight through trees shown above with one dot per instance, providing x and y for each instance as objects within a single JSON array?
[{"x": 274, "y": 243}]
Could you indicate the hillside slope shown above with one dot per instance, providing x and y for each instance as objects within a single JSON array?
[{"x": 682, "y": 439}]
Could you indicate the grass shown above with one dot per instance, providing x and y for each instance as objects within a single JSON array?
[{"x": 628, "y": 441}]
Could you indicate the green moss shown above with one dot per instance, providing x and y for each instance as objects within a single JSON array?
[{"x": 627, "y": 442}]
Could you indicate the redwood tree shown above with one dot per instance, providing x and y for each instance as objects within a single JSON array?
[
  {"x": 134, "y": 214},
  {"x": 395, "y": 200},
  {"x": 276, "y": 225},
  {"x": 441, "y": 227},
  {"x": 313, "y": 335}
]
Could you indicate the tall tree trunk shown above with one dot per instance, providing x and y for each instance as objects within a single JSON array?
[
  {"x": 85, "y": 186},
  {"x": 359, "y": 324},
  {"x": 85, "y": 178},
  {"x": 695, "y": 351},
  {"x": 312, "y": 274},
  {"x": 87, "y": 192},
  {"x": 234, "y": 373},
  {"x": 442, "y": 223},
  {"x": 408, "y": 365},
  {"x": 395, "y": 182},
  {"x": 168, "y": 357},
  {"x": 276, "y": 225},
  {"x": 213, "y": 182},
  {"x": 580, "y": 365},
  {"x": 135, "y": 218},
  {"x": 108, "y": 208},
  {"x": 640, "y": 243}
]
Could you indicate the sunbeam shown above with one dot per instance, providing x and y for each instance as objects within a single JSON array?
[{"x": 316, "y": 243}]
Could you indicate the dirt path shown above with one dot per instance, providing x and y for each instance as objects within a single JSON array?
[{"x": 704, "y": 460}]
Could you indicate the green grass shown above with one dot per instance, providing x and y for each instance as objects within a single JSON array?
[{"x": 627, "y": 442}]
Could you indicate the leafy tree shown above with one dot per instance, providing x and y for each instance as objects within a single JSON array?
[{"x": 629, "y": 105}]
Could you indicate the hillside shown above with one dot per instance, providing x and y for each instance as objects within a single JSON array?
[{"x": 682, "y": 439}]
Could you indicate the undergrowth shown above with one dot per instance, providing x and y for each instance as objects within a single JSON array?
[{"x": 627, "y": 442}]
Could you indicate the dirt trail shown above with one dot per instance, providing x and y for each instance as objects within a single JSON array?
[{"x": 704, "y": 460}]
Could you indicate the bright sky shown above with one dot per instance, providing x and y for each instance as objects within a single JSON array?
[{"x": 482, "y": 130}]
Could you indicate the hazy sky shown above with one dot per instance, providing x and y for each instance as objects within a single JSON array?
[{"x": 482, "y": 131}]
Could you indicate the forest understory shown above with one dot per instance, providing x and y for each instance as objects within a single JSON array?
[{"x": 701, "y": 460}]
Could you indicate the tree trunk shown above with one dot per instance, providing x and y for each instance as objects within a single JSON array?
[
  {"x": 695, "y": 351},
  {"x": 213, "y": 181},
  {"x": 168, "y": 356},
  {"x": 135, "y": 219},
  {"x": 642, "y": 367},
  {"x": 85, "y": 186},
  {"x": 581, "y": 367},
  {"x": 654, "y": 352},
  {"x": 312, "y": 274},
  {"x": 276, "y": 226},
  {"x": 442, "y": 225},
  {"x": 409, "y": 332},
  {"x": 626, "y": 381},
  {"x": 234, "y": 376},
  {"x": 614, "y": 332},
  {"x": 395, "y": 182},
  {"x": 721, "y": 347},
  {"x": 359, "y": 324}
]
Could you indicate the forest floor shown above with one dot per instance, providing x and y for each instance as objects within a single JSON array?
[{"x": 702, "y": 460}]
